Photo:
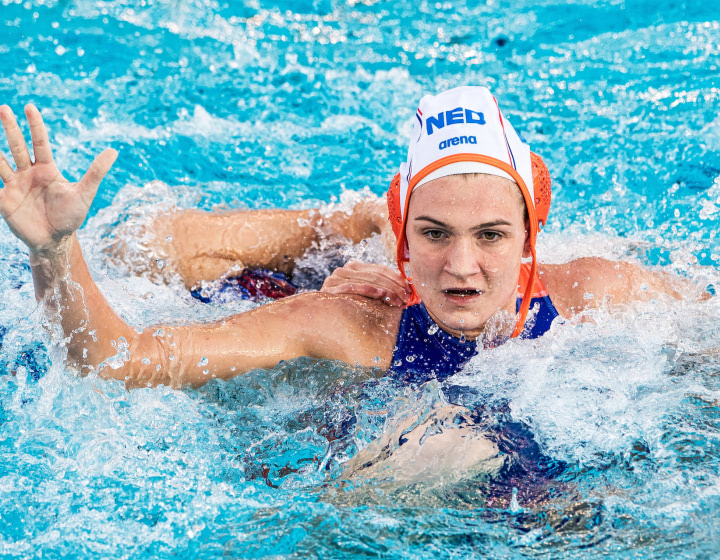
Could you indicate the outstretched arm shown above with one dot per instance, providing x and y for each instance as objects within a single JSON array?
[
  {"x": 593, "y": 282},
  {"x": 44, "y": 210}
]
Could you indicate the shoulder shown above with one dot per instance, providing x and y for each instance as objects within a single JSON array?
[
  {"x": 593, "y": 282},
  {"x": 350, "y": 328}
]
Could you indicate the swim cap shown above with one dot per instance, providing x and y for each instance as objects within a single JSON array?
[{"x": 463, "y": 131}]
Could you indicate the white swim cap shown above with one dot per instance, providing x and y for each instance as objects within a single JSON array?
[{"x": 463, "y": 131}]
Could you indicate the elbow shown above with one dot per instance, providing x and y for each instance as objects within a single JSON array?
[{"x": 146, "y": 360}]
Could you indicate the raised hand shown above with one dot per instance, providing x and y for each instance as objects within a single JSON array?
[
  {"x": 370, "y": 280},
  {"x": 40, "y": 206}
]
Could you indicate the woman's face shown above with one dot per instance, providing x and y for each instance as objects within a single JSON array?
[{"x": 466, "y": 235}]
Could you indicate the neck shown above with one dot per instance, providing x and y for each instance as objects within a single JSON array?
[{"x": 499, "y": 326}]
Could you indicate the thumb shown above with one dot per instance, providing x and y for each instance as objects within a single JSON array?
[{"x": 97, "y": 171}]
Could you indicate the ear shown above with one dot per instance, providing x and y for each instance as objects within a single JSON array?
[{"x": 526, "y": 246}]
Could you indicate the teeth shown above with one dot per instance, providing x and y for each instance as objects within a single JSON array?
[{"x": 463, "y": 293}]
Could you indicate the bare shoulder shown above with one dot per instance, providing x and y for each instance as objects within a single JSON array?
[{"x": 593, "y": 282}]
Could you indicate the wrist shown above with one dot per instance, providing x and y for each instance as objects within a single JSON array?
[{"x": 51, "y": 252}]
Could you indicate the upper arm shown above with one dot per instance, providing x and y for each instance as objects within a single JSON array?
[
  {"x": 592, "y": 282},
  {"x": 312, "y": 324}
]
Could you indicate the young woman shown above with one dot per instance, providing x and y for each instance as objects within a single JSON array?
[{"x": 466, "y": 209}]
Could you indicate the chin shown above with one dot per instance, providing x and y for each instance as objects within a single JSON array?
[
  {"x": 475, "y": 323},
  {"x": 468, "y": 322}
]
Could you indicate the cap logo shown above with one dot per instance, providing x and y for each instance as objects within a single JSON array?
[
  {"x": 458, "y": 115},
  {"x": 456, "y": 141}
]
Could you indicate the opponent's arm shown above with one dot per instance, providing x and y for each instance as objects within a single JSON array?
[
  {"x": 353, "y": 330},
  {"x": 202, "y": 245},
  {"x": 593, "y": 282}
]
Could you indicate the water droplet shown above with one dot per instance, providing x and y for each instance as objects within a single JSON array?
[
  {"x": 158, "y": 367},
  {"x": 433, "y": 329},
  {"x": 146, "y": 361},
  {"x": 515, "y": 506},
  {"x": 410, "y": 358},
  {"x": 203, "y": 362},
  {"x": 376, "y": 359},
  {"x": 160, "y": 333},
  {"x": 462, "y": 337},
  {"x": 206, "y": 371}
]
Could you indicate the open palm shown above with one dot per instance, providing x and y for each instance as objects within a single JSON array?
[{"x": 40, "y": 206}]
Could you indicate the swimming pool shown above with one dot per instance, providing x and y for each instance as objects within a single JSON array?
[{"x": 612, "y": 426}]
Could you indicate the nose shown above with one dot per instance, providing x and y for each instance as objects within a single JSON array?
[{"x": 462, "y": 260}]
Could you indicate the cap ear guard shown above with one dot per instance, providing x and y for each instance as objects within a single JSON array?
[
  {"x": 393, "y": 204},
  {"x": 541, "y": 188}
]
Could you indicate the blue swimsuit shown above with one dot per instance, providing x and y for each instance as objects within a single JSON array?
[{"x": 424, "y": 351}]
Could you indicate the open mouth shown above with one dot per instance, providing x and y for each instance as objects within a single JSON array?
[{"x": 462, "y": 293}]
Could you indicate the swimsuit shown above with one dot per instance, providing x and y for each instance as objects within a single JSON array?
[
  {"x": 252, "y": 284},
  {"x": 424, "y": 351}
]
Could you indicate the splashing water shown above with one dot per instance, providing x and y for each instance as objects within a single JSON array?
[{"x": 599, "y": 440}]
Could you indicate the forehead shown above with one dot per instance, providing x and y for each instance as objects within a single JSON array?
[{"x": 467, "y": 196}]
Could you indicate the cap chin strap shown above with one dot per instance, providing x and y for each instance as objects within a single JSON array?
[{"x": 527, "y": 296}]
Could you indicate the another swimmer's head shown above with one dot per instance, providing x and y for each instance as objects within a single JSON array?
[{"x": 462, "y": 136}]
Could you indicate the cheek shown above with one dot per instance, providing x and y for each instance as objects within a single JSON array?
[{"x": 424, "y": 264}]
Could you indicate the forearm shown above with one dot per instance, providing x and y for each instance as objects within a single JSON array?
[
  {"x": 63, "y": 283},
  {"x": 311, "y": 324},
  {"x": 203, "y": 245}
]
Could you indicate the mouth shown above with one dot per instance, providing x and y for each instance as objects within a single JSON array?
[{"x": 462, "y": 293}]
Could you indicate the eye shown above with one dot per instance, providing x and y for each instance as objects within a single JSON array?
[
  {"x": 434, "y": 234},
  {"x": 490, "y": 236}
]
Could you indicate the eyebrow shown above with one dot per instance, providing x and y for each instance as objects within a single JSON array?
[{"x": 496, "y": 223}]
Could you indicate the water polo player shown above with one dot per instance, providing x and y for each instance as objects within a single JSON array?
[{"x": 467, "y": 208}]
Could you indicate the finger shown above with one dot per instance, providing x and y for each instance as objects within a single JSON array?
[
  {"x": 381, "y": 278},
  {"x": 6, "y": 172},
  {"x": 39, "y": 135},
  {"x": 378, "y": 275},
  {"x": 99, "y": 168},
  {"x": 369, "y": 291},
  {"x": 15, "y": 138}
]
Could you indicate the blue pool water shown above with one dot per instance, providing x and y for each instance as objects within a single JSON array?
[{"x": 612, "y": 427}]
